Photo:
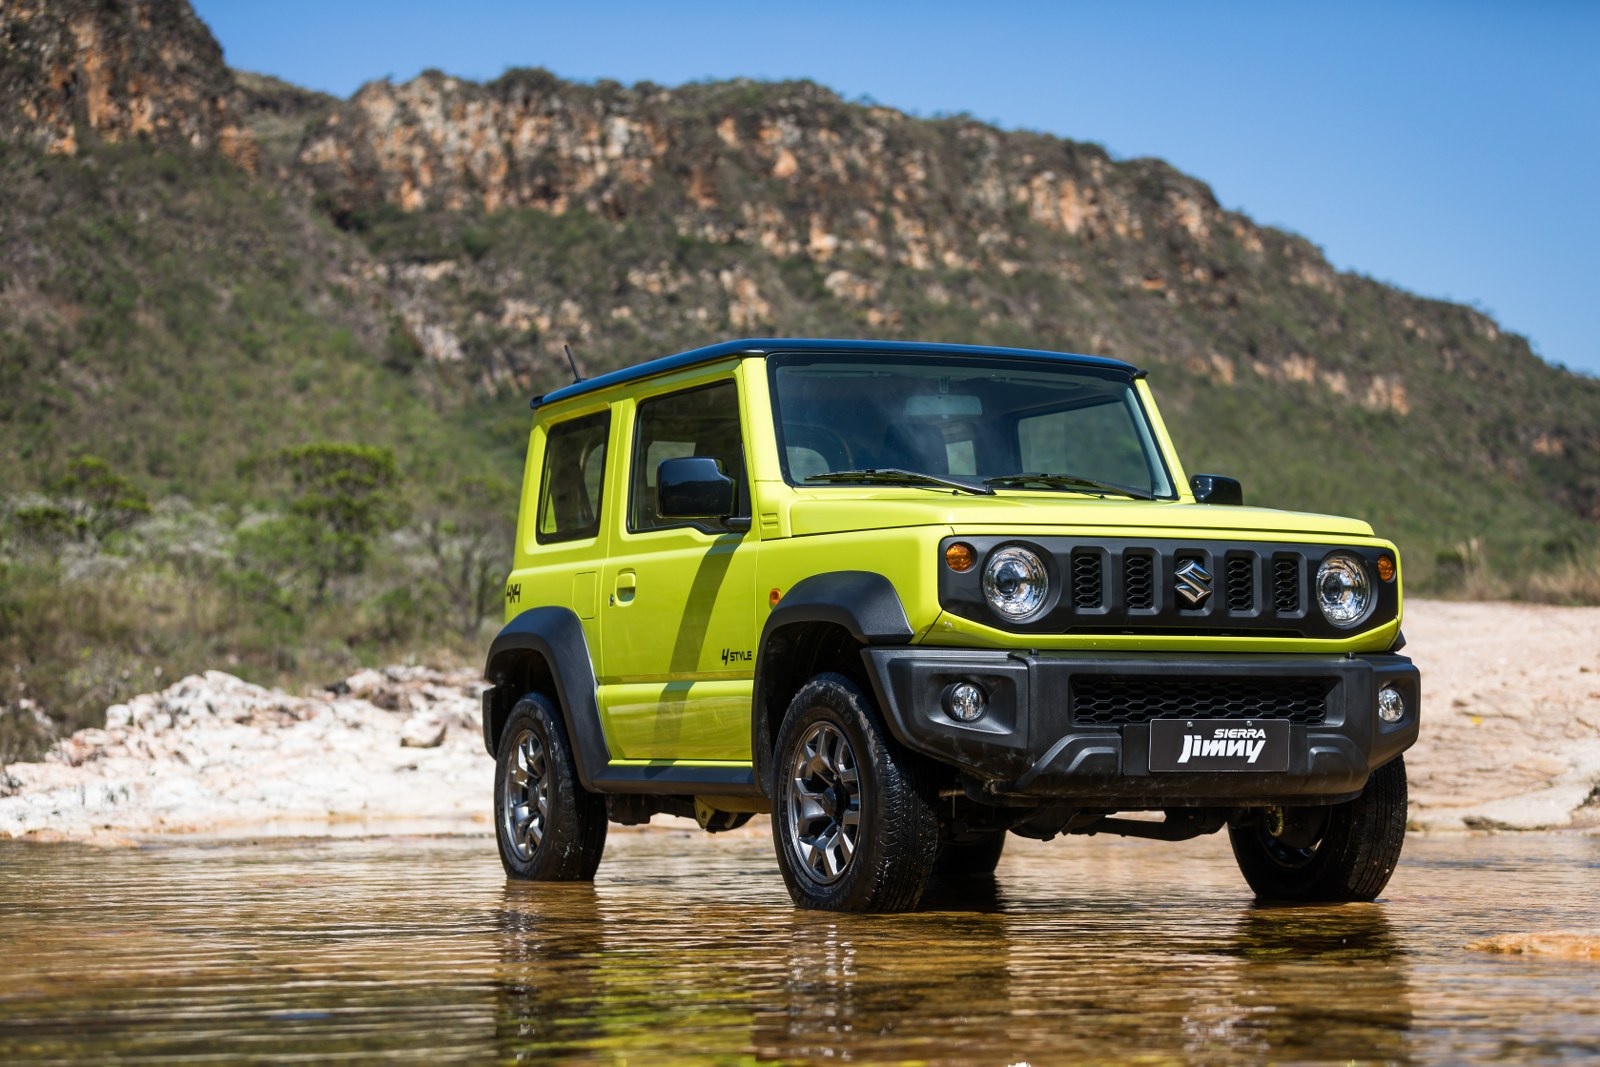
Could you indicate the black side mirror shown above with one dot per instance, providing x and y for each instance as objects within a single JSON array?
[
  {"x": 693, "y": 487},
  {"x": 1216, "y": 489}
]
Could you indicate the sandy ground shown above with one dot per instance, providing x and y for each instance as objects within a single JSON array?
[
  {"x": 1511, "y": 716},
  {"x": 1510, "y": 740}
]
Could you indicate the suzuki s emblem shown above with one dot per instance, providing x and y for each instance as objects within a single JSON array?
[{"x": 1194, "y": 582}]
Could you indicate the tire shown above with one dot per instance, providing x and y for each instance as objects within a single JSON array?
[
  {"x": 853, "y": 820},
  {"x": 549, "y": 827},
  {"x": 974, "y": 856},
  {"x": 1333, "y": 855}
]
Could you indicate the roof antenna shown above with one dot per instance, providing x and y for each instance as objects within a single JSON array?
[{"x": 573, "y": 363}]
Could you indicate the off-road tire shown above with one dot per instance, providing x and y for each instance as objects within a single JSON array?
[
  {"x": 834, "y": 753},
  {"x": 1333, "y": 855},
  {"x": 535, "y": 761},
  {"x": 971, "y": 856}
]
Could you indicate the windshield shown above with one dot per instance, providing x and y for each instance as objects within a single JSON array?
[{"x": 966, "y": 419}]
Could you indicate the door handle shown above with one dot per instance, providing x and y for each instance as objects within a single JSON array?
[{"x": 627, "y": 583}]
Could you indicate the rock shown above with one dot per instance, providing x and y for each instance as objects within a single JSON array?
[
  {"x": 148, "y": 71},
  {"x": 215, "y": 754},
  {"x": 1556, "y": 944},
  {"x": 423, "y": 730}
]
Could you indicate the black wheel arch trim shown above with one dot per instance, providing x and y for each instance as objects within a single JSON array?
[
  {"x": 863, "y": 603},
  {"x": 555, "y": 635}
]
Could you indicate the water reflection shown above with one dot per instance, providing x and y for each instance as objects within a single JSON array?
[{"x": 688, "y": 949}]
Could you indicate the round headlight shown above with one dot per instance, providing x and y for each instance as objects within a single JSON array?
[
  {"x": 1015, "y": 582},
  {"x": 1344, "y": 591}
]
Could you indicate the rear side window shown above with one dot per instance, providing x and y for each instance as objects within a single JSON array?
[{"x": 574, "y": 473}]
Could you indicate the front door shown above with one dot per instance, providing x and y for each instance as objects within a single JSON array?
[{"x": 677, "y": 655}]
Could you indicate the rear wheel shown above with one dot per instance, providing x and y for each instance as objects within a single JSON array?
[
  {"x": 854, "y": 827},
  {"x": 1331, "y": 854},
  {"x": 549, "y": 827}
]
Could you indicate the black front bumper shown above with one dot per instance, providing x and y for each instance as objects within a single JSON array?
[{"x": 1036, "y": 741}]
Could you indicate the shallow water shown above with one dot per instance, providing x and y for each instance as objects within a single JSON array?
[{"x": 687, "y": 948}]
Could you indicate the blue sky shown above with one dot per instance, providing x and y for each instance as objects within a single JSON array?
[{"x": 1448, "y": 148}]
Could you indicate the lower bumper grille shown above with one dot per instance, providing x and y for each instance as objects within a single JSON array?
[{"x": 1114, "y": 700}]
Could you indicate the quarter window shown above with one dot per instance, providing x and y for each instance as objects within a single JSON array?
[{"x": 574, "y": 474}]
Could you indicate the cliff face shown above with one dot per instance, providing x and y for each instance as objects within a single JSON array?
[
  {"x": 890, "y": 214},
  {"x": 117, "y": 70},
  {"x": 832, "y": 178}
]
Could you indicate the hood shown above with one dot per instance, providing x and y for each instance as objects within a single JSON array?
[{"x": 816, "y": 512}]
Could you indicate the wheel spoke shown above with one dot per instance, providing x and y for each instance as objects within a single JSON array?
[
  {"x": 526, "y": 795},
  {"x": 824, "y": 802}
]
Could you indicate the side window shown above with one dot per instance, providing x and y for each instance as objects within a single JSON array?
[
  {"x": 574, "y": 472},
  {"x": 699, "y": 422}
]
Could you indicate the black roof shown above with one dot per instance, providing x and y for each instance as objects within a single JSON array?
[{"x": 766, "y": 346}]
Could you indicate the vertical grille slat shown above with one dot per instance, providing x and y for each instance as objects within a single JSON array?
[
  {"x": 1241, "y": 584},
  {"x": 1087, "y": 585},
  {"x": 1286, "y": 585},
  {"x": 1139, "y": 580}
]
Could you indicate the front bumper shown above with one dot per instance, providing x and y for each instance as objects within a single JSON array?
[{"x": 1040, "y": 737}]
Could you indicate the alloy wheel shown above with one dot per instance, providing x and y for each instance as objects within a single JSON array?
[{"x": 824, "y": 803}]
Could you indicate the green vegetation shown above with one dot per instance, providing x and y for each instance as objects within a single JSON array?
[
  {"x": 248, "y": 429},
  {"x": 183, "y": 358}
]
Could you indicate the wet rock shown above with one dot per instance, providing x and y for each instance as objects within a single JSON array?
[{"x": 1555, "y": 944}]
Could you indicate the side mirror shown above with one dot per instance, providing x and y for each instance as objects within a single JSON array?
[
  {"x": 693, "y": 487},
  {"x": 1216, "y": 489}
]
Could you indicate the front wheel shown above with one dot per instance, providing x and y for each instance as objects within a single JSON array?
[
  {"x": 549, "y": 827},
  {"x": 1333, "y": 854},
  {"x": 854, "y": 826}
]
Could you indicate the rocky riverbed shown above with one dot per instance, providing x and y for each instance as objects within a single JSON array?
[{"x": 1510, "y": 740}]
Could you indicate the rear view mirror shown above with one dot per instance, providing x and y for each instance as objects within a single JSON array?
[
  {"x": 693, "y": 487},
  {"x": 1216, "y": 489}
]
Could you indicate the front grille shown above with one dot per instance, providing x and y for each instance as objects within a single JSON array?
[
  {"x": 1139, "y": 580},
  {"x": 1286, "y": 584},
  {"x": 1241, "y": 584},
  {"x": 1113, "y": 700},
  {"x": 1123, "y": 586},
  {"x": 1086, "y": 584}
]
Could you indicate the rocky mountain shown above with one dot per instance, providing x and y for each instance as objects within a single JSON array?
[
  {"x": 117, "y": 71},
  {"x": 199, "y": 265},
  {"x": 516, "y": 216}
]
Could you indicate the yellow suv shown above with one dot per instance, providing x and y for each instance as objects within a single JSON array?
[{"x": 909, "y": 598}]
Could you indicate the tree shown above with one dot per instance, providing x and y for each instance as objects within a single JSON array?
[
  {"x": 341, "y": 499},
  {"x": 90, "y": 501},
  {"x": 468, "y": 533}
]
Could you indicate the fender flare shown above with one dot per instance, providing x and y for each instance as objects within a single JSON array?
[
  {"x": 863, "y": 603},
  {"x": 554, "y": 635}
]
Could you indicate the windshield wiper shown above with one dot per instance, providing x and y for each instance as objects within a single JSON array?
[
  {"x": 895, "y": 476},
  {"x": 1064, "y": 481}
]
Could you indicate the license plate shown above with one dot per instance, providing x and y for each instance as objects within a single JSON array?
[{"x": 1219, "y": 745}]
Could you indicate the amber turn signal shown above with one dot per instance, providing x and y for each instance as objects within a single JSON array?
[
  {"x": 773, "y": 597},
  {"x": 960, "y": 557},
  {"x": 1386, "y": 568}
]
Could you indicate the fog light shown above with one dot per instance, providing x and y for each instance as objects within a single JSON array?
[
  {"x": 1390, "y": 705},
  {"x": 964, "y": 701}
]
